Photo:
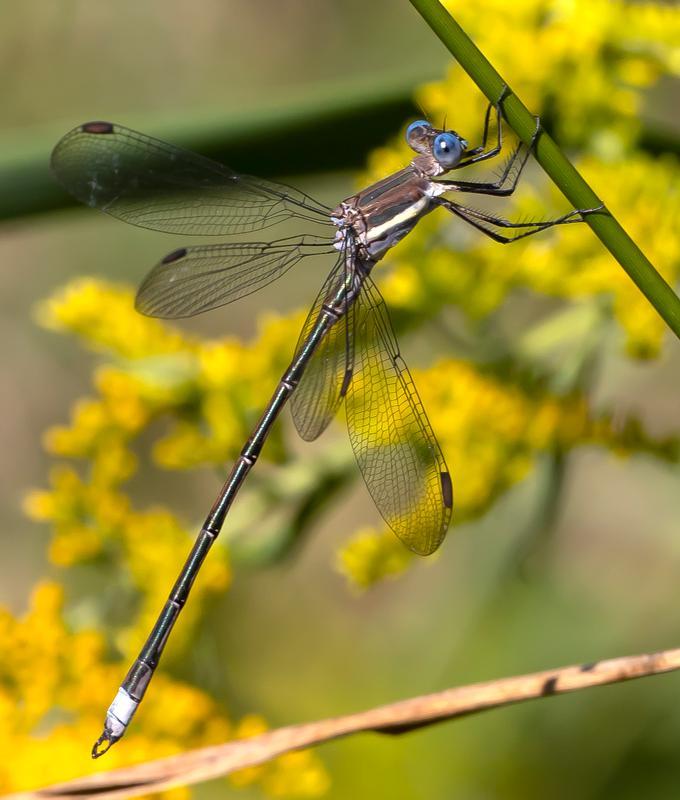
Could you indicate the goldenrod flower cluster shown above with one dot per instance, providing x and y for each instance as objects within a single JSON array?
[
  {"x": 204, "y": 396},
  {"x": 54, "y": 684}
]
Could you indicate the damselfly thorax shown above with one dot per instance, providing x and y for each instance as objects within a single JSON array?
[{"x": 383, "y": 213}]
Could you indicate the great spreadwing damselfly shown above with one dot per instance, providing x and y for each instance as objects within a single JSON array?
[{"x": 347, "y": 349}]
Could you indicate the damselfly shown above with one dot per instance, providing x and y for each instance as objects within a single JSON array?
[{"x": 347, "y": 348}]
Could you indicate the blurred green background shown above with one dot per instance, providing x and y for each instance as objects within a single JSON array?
[{"x": 575, "y": 562}]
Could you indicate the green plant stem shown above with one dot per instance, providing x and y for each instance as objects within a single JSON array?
[{"x": 554, "y": 162}]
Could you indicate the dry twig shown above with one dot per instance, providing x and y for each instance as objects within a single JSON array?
[{"x": 395, "y": 718}]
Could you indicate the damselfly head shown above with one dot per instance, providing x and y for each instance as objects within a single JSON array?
[{"x": 445, "y": 147}]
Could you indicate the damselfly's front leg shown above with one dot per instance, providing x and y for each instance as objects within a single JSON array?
[
  {"x": 480, "y": 153},
  {"x": 486, "y": 223},
  {"x": 498, "y": 188}
]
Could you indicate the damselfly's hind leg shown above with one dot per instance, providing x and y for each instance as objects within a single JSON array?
[{"x": 488, "y": 223}]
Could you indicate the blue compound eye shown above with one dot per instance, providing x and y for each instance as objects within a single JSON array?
[
  {"x": 447, "y": 148},
  {"x": 415, "y": 130}
]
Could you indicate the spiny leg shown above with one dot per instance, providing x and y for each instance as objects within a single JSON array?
[{"x": 487, "y": 222}]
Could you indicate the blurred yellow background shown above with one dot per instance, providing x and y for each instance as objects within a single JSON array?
[{"x": 550, "y": 382}]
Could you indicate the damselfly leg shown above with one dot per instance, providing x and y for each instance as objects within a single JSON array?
[{"x": 485, "y": 223}]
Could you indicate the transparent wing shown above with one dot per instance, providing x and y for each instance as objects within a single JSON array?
[
  {"x": 324, "y": 382},
  {"x": 393, "y": 442},
  {"x": 156, "y": 185},
  {"x": 191, "y": 280}
]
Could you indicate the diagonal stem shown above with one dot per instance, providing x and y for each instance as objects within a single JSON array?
[{"x": 554, "y": 162}]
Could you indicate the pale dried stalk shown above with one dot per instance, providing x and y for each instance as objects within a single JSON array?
[{"x": 395, "y": 718}]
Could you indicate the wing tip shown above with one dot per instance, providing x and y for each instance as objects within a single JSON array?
[
  {"x": 426, "y": 548},
  {"x": 142, "y": 307},
  {"x": 422, "y": 545}
]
